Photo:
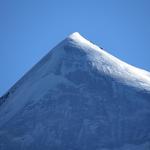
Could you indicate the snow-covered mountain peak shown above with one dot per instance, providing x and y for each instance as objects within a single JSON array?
[
  {"x": 77, "y": 97},
  {"x": 77, "y": 39},
  {"x": 78, "y": 48},
  {"x": 74, "y": 34}
]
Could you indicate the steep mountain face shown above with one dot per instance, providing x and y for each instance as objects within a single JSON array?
[{"x": 78, "y": 97}]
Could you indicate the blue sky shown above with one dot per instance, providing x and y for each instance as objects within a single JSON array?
[{"x": 30, "y": 28}]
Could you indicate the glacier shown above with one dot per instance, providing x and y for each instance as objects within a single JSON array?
[{"x": 78, "y": 97}]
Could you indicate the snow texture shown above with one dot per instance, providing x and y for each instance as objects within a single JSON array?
[{"x": 78, "y": 97}]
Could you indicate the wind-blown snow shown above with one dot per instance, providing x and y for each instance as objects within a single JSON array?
[{"x": 78, "y": 97}]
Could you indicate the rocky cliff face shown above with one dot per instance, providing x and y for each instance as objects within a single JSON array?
[{"x": 78, "y": 97}]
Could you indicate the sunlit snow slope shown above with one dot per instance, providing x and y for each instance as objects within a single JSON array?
[{"x": 78, "y": 97}]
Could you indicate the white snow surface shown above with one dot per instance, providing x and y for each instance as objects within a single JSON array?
[{"x": 77, "y": 97}]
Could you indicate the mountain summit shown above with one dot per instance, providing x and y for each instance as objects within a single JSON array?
[{"x": 78, "y": 97}]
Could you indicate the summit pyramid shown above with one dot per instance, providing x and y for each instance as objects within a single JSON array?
[{"x": 78, "y": 97}]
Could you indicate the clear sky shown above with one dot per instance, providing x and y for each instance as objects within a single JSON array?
[{"x": 30, "y": 28}]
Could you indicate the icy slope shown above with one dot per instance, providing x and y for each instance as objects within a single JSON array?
[{"x": 78, "y": 97}]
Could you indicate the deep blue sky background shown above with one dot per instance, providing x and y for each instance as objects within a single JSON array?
[{"x": 30, "y": 28}]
